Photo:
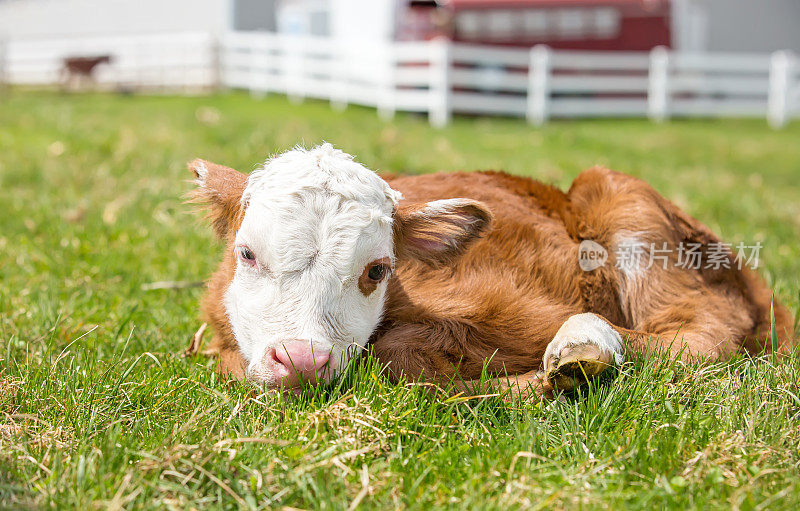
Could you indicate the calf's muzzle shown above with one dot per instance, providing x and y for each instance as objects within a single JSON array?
[{"x": 295, "y": 362}]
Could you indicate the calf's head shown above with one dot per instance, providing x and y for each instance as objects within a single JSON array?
[{"x": 312, "y": 239}]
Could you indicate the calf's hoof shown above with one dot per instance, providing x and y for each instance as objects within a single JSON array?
[
  {"x": 585, "y": 347},
  {"x": 577, "y": 365}
]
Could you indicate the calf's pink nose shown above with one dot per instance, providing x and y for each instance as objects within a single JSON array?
[{"x": 297, "y": 361}]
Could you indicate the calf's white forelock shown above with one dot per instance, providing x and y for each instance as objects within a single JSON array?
[
  {"x": 314, "y": 219},
  {"x": 323, "y": 168}
]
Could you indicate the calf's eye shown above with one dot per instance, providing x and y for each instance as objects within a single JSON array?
[
  {"x": 373, "y": 274},
  {"x": 247, "y": 255},
  {"x": 377, "y": 272}
]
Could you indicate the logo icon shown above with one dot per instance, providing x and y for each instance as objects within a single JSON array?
[{"x": 591, "y": 255}]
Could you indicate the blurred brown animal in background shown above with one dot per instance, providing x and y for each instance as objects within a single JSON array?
[{"x": 79, "y": 71}]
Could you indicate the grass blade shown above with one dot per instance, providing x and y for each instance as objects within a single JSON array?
[{"x": 773, "y": 331}]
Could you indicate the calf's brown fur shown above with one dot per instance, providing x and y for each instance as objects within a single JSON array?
[{"x": 498, "y": 296}]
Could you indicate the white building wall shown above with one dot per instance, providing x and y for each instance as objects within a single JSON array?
[
  {"x": 736, "y": 25},
  {"x": 347, "y": 20},
  {"x": 58, "y": 18},
  {"x": 360, "y": 20},
  {"x": 753, "y": 25}
]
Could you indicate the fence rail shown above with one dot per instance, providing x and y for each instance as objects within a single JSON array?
[{"x": 436, "y": 77}]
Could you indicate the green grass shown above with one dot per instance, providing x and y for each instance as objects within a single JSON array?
[{"x": 98, "y": 409}]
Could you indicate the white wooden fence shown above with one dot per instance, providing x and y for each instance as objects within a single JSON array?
[
  {"x": 435, "y": 77},
  {"x": 441, "y": 78},
  {"x": 146, "y": 61}
]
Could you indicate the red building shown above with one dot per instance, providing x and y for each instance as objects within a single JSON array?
[{"x": 632, "y": 25}]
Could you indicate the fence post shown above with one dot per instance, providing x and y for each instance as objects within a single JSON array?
[
  {"x": 539, "y": 85},
  {"x": 258, "y": 52},
  {"x": 658, "y": 85},
  {"x": 440, "y": 109},
  {"x": 294, "y": 54},
  {"x": 268, "y": 58},
  {"x": 340, "y": 76},
  {"x": 780, "y": 87},
  {"x": 386, "y": 92},
  {"x": 217, "y": 63},
  {"x": 4, "y": 79}
]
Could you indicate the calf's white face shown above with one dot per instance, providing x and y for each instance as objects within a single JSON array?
[
  {"x": 313, "y": 238},
  {"x": 314, "y": 253}
]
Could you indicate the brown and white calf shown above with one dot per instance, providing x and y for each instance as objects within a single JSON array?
[{"x": 448, "y": 273}]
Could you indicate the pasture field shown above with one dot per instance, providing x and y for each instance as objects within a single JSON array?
[{"x": 99, "y": 410}]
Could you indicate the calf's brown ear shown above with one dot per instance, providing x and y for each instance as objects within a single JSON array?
[
  {"x": 220, "y": 189},
  {"x": 439, "y": 231}
]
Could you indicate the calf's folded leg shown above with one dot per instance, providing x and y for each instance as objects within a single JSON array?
[
  {"x": 530, "y": 385},
  {"x": 584, "y": 347},
  {"x": 424, "y": 352},
  {"x": 587, "y": 345}
]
